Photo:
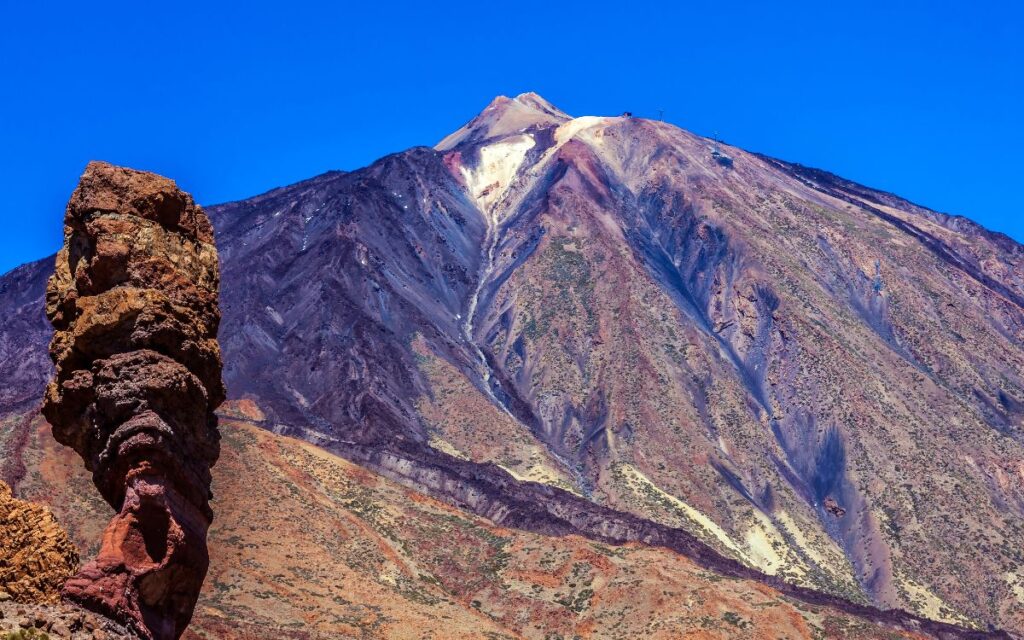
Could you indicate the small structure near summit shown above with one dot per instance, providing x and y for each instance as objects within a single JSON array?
[
  {"x": 133, "y": 302},
  {"x": 718, "y": 156}
]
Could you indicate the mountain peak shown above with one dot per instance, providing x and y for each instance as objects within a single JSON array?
[
  {"x": 503, "y": 116},
  {"x": 536, "y": 101}
]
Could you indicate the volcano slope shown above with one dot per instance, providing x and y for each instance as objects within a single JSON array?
[
  {"x": 309, "y": 546},
  {"x": 594, "y": 326}
]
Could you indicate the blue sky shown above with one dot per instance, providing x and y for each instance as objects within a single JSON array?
[{"x": 920, "y": 98}]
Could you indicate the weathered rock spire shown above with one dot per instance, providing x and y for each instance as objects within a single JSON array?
[{"x": 133, "y": 302}]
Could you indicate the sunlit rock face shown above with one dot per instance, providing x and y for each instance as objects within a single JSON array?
[
  {"x": 36, "y": 555},
  {"x": 133, "y": 302}
]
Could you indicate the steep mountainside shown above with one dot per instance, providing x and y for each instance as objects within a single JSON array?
[
  {"x": 820, "y": 381},
  {"x": 307, "y": 546},
  {"x": 24, "y": 362}
]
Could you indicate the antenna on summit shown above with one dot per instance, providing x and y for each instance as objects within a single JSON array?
[
  {"x": 720, "y": 157},
  {"x": 661, "y": 115}
]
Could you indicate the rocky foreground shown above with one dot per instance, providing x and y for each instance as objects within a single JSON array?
[
  {"x": 36, "y": 555},
  {"x": 36, "y": 558},
  {"x": 59, "y": 620}
]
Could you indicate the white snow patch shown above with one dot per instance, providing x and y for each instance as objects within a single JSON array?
[
  {"x": 275, "y": 316},
  {"x": 499, "y": 164},
  {"x": 570, "y": 129},
  {"x": 585, "y": 125},
  {"x": 488, "y": 184}
]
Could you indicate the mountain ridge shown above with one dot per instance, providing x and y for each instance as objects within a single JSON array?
[{"x": 604, "y": 308}]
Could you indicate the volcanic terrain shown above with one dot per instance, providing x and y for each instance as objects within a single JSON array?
[{"x": 668, "y": 362}]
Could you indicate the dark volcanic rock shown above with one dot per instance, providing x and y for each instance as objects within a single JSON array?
[
  {"x": 24, "y": 365},
  {"x": 133, "y": 301},
  {"x": 348, "y": 267},
  {"x": 833, "y": 507}
]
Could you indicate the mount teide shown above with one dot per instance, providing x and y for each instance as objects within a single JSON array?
[{"x": 595, "y": 326}]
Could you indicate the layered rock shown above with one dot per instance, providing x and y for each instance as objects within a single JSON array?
[
  {"x": 36, "y": 555},
  {"x": 133, "y": 302}
]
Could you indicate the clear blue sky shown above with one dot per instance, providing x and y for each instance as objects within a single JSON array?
[{"x": 921, "y": 98}]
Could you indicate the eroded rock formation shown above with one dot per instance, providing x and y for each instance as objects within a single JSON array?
[
  {"x": 133, "y": 302},
  {"x": 36, "y": 555}
]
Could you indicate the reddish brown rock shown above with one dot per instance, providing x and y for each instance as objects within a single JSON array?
[
  {"x": 133, "y": 302},
  {"x": 36, "y": 555},
  {"x": 833, "y": 507}
]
